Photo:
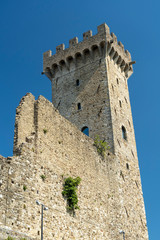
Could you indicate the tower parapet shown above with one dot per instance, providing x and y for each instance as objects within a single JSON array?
[{"x": 103, "y": 42}]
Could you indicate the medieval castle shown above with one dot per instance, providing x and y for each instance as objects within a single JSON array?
[{"x": 55, "y": 140}]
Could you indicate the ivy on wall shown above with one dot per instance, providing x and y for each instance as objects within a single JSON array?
[{"x": 70, "y": 193}]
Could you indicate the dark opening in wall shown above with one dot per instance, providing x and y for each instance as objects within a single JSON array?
[
  {"x": 127, "y": 166},
  {"x": 124, "y": 133},
  {"x": 132, "y": 153},
  {"x": 85, "y": 130},
  {"x": 117, "y": 81},
  {"x": 136, "y": 184},
  {"x": 126, "y": 99},
  {"x": 79, "y": 106},
  {"x": 120, "y": 103},
  {"x": 77, "y": 82}
]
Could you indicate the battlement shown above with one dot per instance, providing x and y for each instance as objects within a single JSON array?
[{"x": 99, "y": 46}]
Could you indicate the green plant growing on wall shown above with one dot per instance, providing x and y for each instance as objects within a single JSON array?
[
  {"x": 70, "y": 193},
  {"x": 101, "y": 145},
  {"x": 9, "y": 238},
  {"x": 24, "y": 187},
  {"x": 43, "y": 177},
  {"x": 45, "y": 130}
]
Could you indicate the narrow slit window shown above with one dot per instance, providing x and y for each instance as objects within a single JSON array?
[
  {"x": 120, "y": 103},
  {"x": 77, "y": 82},
  {"x": 79, "y": 106},
  {"x": 124, "y": 133},
  {"x": 85, "y": 130},
  {"x": 127, "y": 166}
]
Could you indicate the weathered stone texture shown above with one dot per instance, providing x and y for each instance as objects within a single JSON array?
[
  {"x": 60, "y": 151},
  {"x": 46, "y": 143},
  {"x": 102, "y": 67}
]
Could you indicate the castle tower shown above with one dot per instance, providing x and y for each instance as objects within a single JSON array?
[{"x": 89, "y": 88}]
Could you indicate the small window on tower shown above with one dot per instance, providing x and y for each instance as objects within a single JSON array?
[
  {"x": 79, "y": 106},
  {"x": 124, "y": 133},
  {"x": 77, "y": 82},
  {"x": 120, "y": 103},
  {"x": 117, "y": 81}
]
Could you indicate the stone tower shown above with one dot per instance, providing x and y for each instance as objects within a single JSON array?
[{"x": 89, "y": 88}]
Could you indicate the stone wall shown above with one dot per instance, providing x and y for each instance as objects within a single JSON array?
[
  {"x": 56, "y": 149},
  {"x": 50, "y": 145},
  {"x": 6, "y": 232}
]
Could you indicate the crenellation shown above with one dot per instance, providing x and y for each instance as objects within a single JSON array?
[
  {"x": 114, "y": 37},
  {"x": 47, "y": 54},
  {"x": 60, "y": 47},
  {"x": 73, "y": 42},
  {"x": 103, "y": 28},
  {"x": 87, "y": 35},
  {"x": 103, "y": 37},
  {"x": 121, "y": 45}
]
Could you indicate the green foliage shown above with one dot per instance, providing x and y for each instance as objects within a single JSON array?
[
  {"x": 101, "y": 145},
  {"x": 70, "y": 192},
  {"x": 43, "y": 177},
  {"x": 45, "y": 130},
  {"x": 24, "y": 187},
  {"x": 9, "y": 238}
]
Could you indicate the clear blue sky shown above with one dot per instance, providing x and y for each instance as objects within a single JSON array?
[{"x": 28, "y": 28}]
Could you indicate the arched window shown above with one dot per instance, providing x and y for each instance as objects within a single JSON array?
[
  {"x": 124, "y": 133},
  {"x": 85, "y": 130}
]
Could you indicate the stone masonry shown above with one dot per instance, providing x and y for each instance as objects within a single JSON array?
[{"x": 48, "y": 141}]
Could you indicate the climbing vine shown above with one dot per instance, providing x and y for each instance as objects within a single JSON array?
[
  {"x": 101, "y": 145},
  {"x": 70, "y": 192}
]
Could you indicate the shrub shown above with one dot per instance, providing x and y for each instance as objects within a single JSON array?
[
  {"x": 45, "y": 130},
  {"x": 24, "y": 187},
  {"x": 101, "y": 145},
  {"x": 70, "y": 192},
  {"x": 43, "y": 177},
  {"x": 9, "y": 238}
]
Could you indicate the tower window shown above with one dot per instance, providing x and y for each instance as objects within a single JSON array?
[
  {"x": 77, "y": 82},
  {"x": 85, "y": 130},
  {"x": 126, "y": 99},
  {"x": 117, "y": 81},
  {"x": 79, "y": 106},
  {"x": 127, "y": 166},
  {"x": 120, "y": 103},
  {"x": 124, "y": 133}
]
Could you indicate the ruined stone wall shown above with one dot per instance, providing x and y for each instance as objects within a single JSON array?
[{"x": 57, "y": 149}]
